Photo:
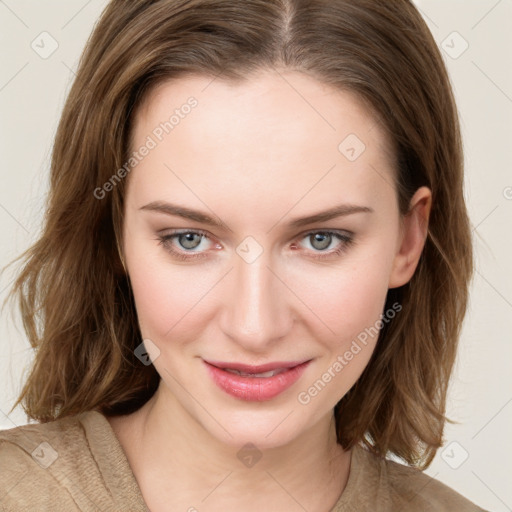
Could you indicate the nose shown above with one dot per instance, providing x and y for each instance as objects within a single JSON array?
[{"x": 255, "y": 312}]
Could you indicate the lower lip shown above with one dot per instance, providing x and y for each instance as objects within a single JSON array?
[{"x": 255, "y": 389}]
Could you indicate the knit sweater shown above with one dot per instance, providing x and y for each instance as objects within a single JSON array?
[{"x": 77, "y": 464}]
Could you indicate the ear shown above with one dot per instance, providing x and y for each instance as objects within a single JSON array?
[{"x": 413, "y": 234}]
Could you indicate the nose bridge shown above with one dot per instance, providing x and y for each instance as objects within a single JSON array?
[{"x": 255, "y": 309}]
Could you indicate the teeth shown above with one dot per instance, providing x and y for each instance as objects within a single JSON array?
[{"x": 258, "y": 375}]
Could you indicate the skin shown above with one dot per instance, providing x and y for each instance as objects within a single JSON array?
[{"x": 257, "y": 155}]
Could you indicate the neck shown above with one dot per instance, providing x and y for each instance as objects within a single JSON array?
[{"x": 178, "y": 462}]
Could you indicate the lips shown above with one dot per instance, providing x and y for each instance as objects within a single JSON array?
[
  {"x": 255, "y": 382},
  {"x": 259, "y": 368}
]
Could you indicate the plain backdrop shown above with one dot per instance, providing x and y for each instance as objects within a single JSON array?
[{"x": 476, "y": 42}]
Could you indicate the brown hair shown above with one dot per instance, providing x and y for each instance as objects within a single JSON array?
[{"x": 76, "y": 304}]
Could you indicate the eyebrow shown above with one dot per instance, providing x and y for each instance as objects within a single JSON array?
[{"x": 195, "y": 215}]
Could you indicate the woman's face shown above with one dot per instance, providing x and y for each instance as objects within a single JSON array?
[{"x": 261, "y": 234}]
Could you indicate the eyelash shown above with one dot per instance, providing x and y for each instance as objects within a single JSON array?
[{"x": 346, "y": 239}]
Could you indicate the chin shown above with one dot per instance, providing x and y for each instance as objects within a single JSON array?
[{"x": 263, "y": 428}]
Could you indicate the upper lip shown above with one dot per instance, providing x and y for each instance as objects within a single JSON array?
[{"x": 260, "y": 368}]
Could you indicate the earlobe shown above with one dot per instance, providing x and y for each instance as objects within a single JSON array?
[{"x": 414, "y": 231}]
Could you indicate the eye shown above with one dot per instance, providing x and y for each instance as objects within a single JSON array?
[
  {"x": 320, "y": 241},
  {"x": 186, "y": 245},
  {"x": 190, "y": 245},
  {"x": 189, "y": 240}
]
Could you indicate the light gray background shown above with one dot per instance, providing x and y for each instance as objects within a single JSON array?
[{"x": 32, "y": 92}]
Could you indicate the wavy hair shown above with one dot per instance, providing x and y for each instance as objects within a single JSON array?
[{"x": 75, "y": 299}]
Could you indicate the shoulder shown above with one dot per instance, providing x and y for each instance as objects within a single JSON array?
[
  {"x": 72, "y": 463},
  {"x": 29, "y": 455},
  {"x": 39, "y": 445},
  {"x": 421, "y": 491},
  {"x": 392, "y": 486}
]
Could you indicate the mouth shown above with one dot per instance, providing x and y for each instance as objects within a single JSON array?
[
  {"x": 261, "y": 375},
  {"x": 255, "y": 382}
]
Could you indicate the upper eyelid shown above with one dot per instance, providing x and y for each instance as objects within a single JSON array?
[{"x": 327, "y": 230}]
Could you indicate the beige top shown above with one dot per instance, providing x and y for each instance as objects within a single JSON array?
[{"x": 77, "y": 464}]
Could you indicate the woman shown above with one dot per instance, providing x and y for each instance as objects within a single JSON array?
[{"x": 254, "y": 267}]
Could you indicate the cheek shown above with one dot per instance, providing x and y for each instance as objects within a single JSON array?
[
  {"x": 350, "y": 302},
  {"x": 347, "y": 298},
  {"x": 168, "y": 297}
]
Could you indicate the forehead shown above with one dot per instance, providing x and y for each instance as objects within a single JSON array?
[
  {"x": 274, "y": 132},
  {"x": 270, "y": 99}
]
